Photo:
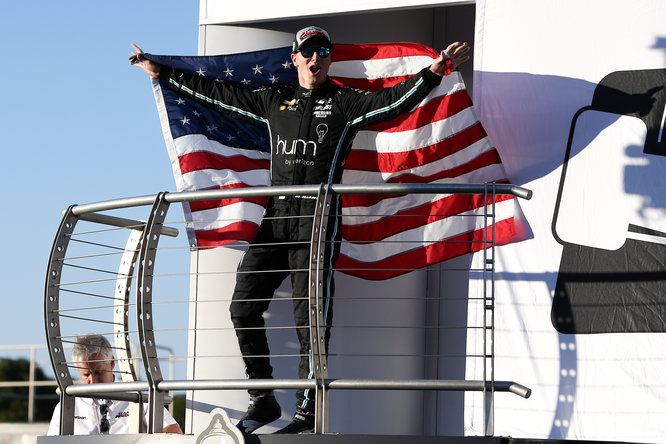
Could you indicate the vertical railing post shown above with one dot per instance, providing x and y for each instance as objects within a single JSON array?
[
  {"x": 31, "y": 387},
  {"x": 52, "y": 320},
  {"x": 316, "y": 306},
  {"x": 489, "y": 309},
  {"x": 145, "y": 313}
]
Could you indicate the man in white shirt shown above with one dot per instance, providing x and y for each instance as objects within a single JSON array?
[{"x": 94, "y": 359}]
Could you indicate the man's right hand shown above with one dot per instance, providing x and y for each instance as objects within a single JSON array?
[{"x": 137, "y": 59}]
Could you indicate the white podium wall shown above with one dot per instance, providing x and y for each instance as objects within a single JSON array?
[{"x": 416, "y": 300}]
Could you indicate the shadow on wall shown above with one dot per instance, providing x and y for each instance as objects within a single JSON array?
[{"x": 599, "y": 288}]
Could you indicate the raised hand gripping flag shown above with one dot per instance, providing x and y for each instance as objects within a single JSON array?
[{"x": 440, "y": 141}]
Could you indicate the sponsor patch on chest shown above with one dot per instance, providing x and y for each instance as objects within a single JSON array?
[
  {"x": 323, "y": 108},
  {"x": 289, "y": 105}
]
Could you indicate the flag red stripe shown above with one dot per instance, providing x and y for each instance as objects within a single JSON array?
[
  {"x": 218, "y": 203},
  {"x": 370, "y": 160},
  {"x": 484, "y": 159},
  {"x": 380, "y": 51},
  {"x": 421, "y": 257},
  {"x": 438, "y": 108},
  {"x": 415, "y": 217},
  {"x": 200, "y": 160}
]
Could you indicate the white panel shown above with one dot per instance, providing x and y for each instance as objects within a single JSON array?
[
  {"x": 217, "y": 12},
  {"x": 538, "y": 64},
  {"x": 234, "y": 39},
  {"x": 212, "y": 341},
  {"x": 377, "y": 334}
]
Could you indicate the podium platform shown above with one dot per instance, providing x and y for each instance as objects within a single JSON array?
[
  {"x": 312, "y": 439},
  {"x": 405, "y": 439}
]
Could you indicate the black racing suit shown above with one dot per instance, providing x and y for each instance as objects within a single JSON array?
[{"x": 311, "y": 133}]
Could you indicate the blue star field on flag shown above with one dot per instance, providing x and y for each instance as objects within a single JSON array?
[{"x": 251, "y": 70}]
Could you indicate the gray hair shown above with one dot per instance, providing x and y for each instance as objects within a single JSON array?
[{"x": 89, "y": 345}]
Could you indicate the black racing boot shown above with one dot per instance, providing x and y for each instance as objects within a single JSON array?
[
  {"x": 262, "y": 410},
  {"x": 303, "y": 422}
]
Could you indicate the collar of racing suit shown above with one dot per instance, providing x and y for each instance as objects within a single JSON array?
[{"x": 319, "y": 91}]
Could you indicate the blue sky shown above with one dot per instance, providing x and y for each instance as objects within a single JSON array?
[{"x": 78, "y": 125}]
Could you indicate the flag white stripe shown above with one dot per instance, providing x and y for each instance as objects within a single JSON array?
[
  {"x": 446, "y": 163},
  {"x": 449, "y": 85},
  {"x": 203, "y": 179},
  {"x": 354, "y": 215},
  {"x": 215, "y": 218},
  {"x": 168, "y": 138},
  {"x": 398, "y": 142},
  {"x": 379, "y": 68},
  {"x": 193, "y": 143}
]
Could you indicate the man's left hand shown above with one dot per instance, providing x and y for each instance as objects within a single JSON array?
[{"x": 456, "y": 52}]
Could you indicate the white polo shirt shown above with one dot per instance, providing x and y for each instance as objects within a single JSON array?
[{"x": 87, "y": 417}]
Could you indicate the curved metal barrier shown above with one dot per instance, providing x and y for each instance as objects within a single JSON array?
[{"x": 140, "y": 253}]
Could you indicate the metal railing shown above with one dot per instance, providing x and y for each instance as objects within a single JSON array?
[
  {"x": 83, "y": 301},
  {"x": 31, "y": 383}
]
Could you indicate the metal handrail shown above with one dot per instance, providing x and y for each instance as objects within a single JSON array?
[
  {"x": 130, "y": 388},
  {"x": 156, "y": 386},
  {"x": 306, "y": 190}
]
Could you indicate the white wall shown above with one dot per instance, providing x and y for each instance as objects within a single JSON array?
[{"x": 216, "y": 12}]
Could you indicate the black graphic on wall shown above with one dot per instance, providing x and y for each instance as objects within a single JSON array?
[{"x": 623, "y": 289}]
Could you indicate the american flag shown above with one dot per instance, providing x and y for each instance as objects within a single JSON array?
[{"x": 440, "y": 141}]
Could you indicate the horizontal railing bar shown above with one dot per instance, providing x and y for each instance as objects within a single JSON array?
[
  {"x": 107, "y": 387},
  {"x": 92, "y": 307},
  {"x": 313, "y": 190},
  {"x": 341, "y": 327},
  {"x": 85, "y": 293},
  {"x": 4, "y": 384},
  {"x": 96, "y": 270},
  {"x": 429, "y": 384},
  {"x": 94, "y": 256},
  {"x": 97, "y": 244},
  {"x": 308, "y": 190},
  {"x": 120, "y": 221},
  {"x": 347, "y": 384},
  {"x": 478, "y": 271},
  {"x": 133, "y": 393},
  {"x": 341, "y": 299},
  {"x": 103, "y": 390},
  {"x": 416, "y": 188},
  {"x": 68, "y": 338},
  {"x": 237, "y": 384}
]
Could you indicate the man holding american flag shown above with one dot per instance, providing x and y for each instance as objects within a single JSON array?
[{"x": 311, "y": 127}]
